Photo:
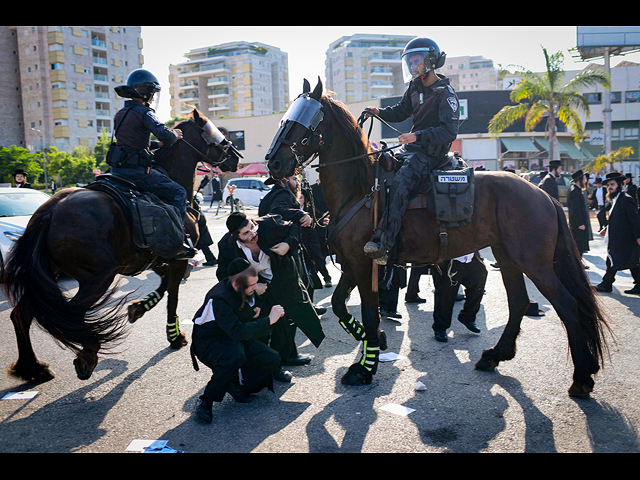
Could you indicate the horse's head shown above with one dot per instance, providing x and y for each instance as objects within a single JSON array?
[
  {"x": 298, "y": 137},
  {"x": 213, "y": 146}
]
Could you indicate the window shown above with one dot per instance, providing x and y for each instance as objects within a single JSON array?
[
  {"x": 631, "y": 133},
  {"x": 632, "y": 97},
  {"x": 593, "y": 98},
  {"x": 616, "y": 97}
]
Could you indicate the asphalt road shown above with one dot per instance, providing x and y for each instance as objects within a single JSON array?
[{"x": 146, "y": 391}]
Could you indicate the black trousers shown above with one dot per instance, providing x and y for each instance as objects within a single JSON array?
[
  {"x": 610, "y": 275},
  {"x": 252, "y": 359},
  {"x": 473, "y": 276}
]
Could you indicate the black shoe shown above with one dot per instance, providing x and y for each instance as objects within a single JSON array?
[
  {"x": 441, "y": 335},
  {"x": 393, "y": 315},
  {"x": 188, "y": 271},
  {"x": 238, "y": 395},
  {"x": 635, "y": 290},
  {"x": 299, "y": 360},
  {"x": 460, "y": 297},
  {"x": 603, "y": 288},
  {"x": 187, "y": 253},
  {"x": 471, "y": 326},
  {"x": 210, "y": 263},
  {"x": 321, "y": 310},
  {"x": 414, "y": 299},
  {"x": 281, "y": 375},
  {"x": 203, "y": 410},
  {"x": 327, "y": 282}
]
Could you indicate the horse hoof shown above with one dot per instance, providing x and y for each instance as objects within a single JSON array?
[
  {"x": 579, "y": 390},
  {"x": 357, "y": 375},
  {"x": 46, "y": 375},
  {"x": 486, "y": 365},
  {"x": 134, "y": 312},
  {"x": 179, "y": 342},
  {"x": 83, "y": 371}
]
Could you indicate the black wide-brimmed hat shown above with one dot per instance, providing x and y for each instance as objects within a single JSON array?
[
  {"x": 19, "y": 171},
  {"x": 555, "y": 163},
  {"x": 613, "y": 176},
  {"x": 577, "y": 175}
]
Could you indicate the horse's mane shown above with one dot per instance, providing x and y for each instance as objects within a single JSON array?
[
  {"x": 184, "y": 121},
  {"x": 358, "y": 172}
]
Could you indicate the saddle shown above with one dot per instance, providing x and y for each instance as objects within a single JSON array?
[
  {"x": 156, "y": 226},
  {"x": 447, "y": 192}
]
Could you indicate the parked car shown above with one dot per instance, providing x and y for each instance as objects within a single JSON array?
[
  {"x": 249, "y": 191},
  {"x": 16, "y": 207}
]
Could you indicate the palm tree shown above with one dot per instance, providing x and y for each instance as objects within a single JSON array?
[
  {"x": 537, "y": 95},
  {"x": 602, "y": 161}
]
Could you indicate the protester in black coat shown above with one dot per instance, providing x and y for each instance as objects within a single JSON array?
[
  {"x": 225, "y": 332},
  {"x": 578, "y": 213},
  {"x": 549, "y": 184},
  {"x": 622, "y": 236}
]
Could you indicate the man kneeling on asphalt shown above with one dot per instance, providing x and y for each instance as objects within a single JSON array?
[{"x": 225, "y": 333}]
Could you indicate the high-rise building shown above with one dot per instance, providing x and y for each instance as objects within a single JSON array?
[
  {"x": 236, "y": 79},
  {"x": 364, "y": 66},
  {"x": 65, "y": 76}
]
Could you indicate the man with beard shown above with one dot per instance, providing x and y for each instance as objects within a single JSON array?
[
  {"x": 578, "y": 213},
  {"x": 267, "y": 244},
  {"x": 550, "y": 182},
  {"x": 225, "y": 333},
  {"x": 622, "y": 235}
]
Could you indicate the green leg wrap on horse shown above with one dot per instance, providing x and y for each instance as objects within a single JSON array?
[
  {"x": 151, "y": 300},
  {"x": 173, "y": 328},
  {"x": 370, "y": 354},
  {"x": 353, "y": 328}
]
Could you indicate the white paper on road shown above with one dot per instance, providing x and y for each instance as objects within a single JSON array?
[
  {"x": 389, "y": 357},
  {"x": 398, "y": 409},
  {"x": 19, "y": 395}
]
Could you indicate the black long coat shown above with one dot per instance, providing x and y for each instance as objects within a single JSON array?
[
  {"x": 623, "y": 232},
  {"x": 550, "y": 185},
  {"x": 578, "y": 215}
]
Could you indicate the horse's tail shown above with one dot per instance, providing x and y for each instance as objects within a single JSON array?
[
  {"x": 30, "y": 285},
  {"x": 568, "y": 267}
]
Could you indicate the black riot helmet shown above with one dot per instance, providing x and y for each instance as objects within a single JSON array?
[
  {"x": 141, "y": 83},
  {"x": 420, "y": 56}
]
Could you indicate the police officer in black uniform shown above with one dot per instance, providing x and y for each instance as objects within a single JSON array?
[
  {"x": 434, "y": 107},
  {"x": 131, "y": 156}
]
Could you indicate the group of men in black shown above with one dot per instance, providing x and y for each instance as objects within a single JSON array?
[{"x": 615, "y": 199}]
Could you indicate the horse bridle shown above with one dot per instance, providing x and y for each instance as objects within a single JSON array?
[{"x": 224, "y": 145}]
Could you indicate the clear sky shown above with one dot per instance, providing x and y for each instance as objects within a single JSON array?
[{"x": 307, "y": 46}]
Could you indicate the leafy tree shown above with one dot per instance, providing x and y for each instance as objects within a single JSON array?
[
  {"x": 540, "y": 95},
  {"x": 602, "y": 161},
  {"x": 12, "y": 158}
]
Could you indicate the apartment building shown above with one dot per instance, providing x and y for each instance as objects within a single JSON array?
[
  {"x": 364, "y": 66},
  {"x": 66, "y": 76},
  {"x": 235, "y": 79}
]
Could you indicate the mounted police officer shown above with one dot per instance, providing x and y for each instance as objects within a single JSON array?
[
  {"x": 131, "y": 156},
  {"x": 434, "y": 107}
]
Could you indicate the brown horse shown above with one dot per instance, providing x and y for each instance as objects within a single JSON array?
[
  {"x": 84, "y": 234},
  {"x": 526, "y": 230}
]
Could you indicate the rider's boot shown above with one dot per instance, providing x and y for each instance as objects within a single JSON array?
[
  {"x": 376, "y": 247},
  {"x": 188, "y": 251}
]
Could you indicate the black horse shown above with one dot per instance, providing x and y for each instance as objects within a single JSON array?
[
  {"x": 85, "y": 234},
  {"x": 526, "y": 230}
]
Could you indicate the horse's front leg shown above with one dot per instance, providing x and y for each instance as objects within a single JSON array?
[
  {"x": 177, "y": 338},
  {"x": 374, "y": 339}
]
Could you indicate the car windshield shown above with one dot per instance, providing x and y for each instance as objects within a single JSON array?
[{"x": 19, "y": 203}]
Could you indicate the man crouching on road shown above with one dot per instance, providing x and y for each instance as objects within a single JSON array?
[{"x": 225, "y": 333}]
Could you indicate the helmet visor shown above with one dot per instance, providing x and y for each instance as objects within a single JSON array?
[{"x": 413, "y": 63}]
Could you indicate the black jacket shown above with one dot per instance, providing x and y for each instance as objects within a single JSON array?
[
  {"x": 237, "y": 324},
  {"x": 280, "y": 201},
  {"x": 550, "y": 185},
  {"x": 578, "y": 215},
  {"x": 134, "y": 130},
  {"x": 623, "y": 230},
  {"x": 435, "y": 112}
]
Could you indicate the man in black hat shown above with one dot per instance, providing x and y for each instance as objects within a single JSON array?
[
  {"x": 267, "y": 243},
  {"x": 225, "y": 333},
  {"x": 20, "y": 177},
  {"x": 630, "y": 187},
  {"x": 549, "y": 184},
  {"x": 578, "y": 212},
  {"x": 622, "y": 235}
]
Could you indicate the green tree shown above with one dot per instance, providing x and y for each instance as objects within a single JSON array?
[
  {"x": 540, "y": 95},
  {"x": 101, "y": 149},
  {"x": 14, "y": 157},
  {"x": 602, "y": 161},
  {"x": 71, "y": 168}
]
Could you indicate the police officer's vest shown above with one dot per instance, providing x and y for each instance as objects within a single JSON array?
[{"x": 121, "y": 156}]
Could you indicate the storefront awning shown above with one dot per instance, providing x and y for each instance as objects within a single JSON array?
[
  {"x": 567, "y": 146},
  {"x": 519, "y": 145}
]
